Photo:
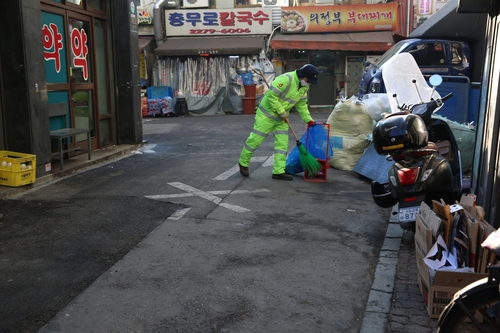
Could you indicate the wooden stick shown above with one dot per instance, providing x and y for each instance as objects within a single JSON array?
[
  {"x": 264, "y": 77},
  {"x": 291, "y": 129},
  {"x": 261, "y": 73}
]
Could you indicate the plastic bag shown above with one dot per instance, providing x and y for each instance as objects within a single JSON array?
[
  {"x": 293, "y": 165},
  {"x": 315, "y": 139},
  {"x": 376, "y": 104}
]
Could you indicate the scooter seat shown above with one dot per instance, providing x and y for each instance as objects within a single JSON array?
[
  {"x": 414, "y": 154},
  {"x": 400, "y": 113},
  {"x": 432, "y": 145}
]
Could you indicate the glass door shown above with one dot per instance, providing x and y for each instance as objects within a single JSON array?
[{"x": 81, "y": 69}]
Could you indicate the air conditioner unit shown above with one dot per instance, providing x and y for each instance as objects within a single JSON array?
[
  {"x": 275, "y": 15},
  {"x": 195, "y": 3},
  {"x": 274, "y": 3}
]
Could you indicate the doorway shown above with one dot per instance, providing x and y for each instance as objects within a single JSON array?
[
  {"x": 323, "y": 94},
  {"x": 81, "y": 74},
  {"x": 77, "y": 71}
]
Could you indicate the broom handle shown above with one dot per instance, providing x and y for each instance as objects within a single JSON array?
[
  {"x": 264, "y": 77},
  {"x": 291, "y": 129}
]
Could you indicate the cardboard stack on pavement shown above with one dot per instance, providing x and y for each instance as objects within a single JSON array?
[{"x": 448, "y": 250}]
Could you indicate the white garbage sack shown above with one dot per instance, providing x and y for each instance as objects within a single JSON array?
[
  {"x": 350, "y": 126},
  {"x": 376, "y": 105}
]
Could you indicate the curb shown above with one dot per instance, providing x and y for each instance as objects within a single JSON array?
[
  {"x": 378, "y": 306},
  {"x": 120, "y": 151}
]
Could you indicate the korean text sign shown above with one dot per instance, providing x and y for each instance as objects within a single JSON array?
[
  {"x": 314, "y": 19},
  {"x": 54, "y": 51},
  {"x": 210, "y": 22}
]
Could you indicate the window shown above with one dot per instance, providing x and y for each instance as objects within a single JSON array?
[
  {"x": 96, "y": 4},
  {"x": 76, "y": 2},
  {"x": 432, "y": 54}
]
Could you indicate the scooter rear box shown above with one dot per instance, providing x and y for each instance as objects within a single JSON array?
[{"x": 398, "y": 132}]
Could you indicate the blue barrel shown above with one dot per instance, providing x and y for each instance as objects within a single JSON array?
[{"x": 247, "y": 78}]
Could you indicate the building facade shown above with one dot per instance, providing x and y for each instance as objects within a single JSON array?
[
  {"x": 347, "y": 34},
  {"x": 81, "y": 54}
]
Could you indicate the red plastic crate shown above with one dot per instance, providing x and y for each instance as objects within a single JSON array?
[{"x": 321, "y": 176}]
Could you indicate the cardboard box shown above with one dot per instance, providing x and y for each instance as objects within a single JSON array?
[
  {"x": 437, "y": 287},
  {"x": 427, "y": 227},
  {"x": 423, "y": 235},
  {"x": 437, "y": 293}
]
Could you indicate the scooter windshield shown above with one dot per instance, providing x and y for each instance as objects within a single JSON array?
[{"x": 403, "y": 78}]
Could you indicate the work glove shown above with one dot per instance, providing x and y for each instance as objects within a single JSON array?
[
  {"x": 283, "y": 115},
  {"x": 311, "y": 123}
]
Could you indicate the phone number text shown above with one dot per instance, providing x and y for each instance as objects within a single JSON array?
[{"x": 223, "y": 31}]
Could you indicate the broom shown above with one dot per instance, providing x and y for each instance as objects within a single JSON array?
[{"x": 308, "y": 162}]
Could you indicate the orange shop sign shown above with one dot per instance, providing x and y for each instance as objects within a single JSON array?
[{"x": 314, "y": 19}]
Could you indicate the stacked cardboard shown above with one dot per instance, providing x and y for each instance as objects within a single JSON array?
[{"x": 448, "y": 250}]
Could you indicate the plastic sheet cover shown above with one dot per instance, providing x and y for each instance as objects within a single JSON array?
[{"x": 207, "y": 82}]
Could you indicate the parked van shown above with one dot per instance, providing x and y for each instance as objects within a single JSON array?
[{"x": 433, "y": 56}]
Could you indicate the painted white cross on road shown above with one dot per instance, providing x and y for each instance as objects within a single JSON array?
[
  {"x": 268, "y": 161},
  {"x": 208, "y": 195}
]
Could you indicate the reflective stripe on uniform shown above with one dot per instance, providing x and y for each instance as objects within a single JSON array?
[
  {"x": 279, "y": 151},
  {"x": 276, "y": 90},
  {"x": 250, "y": 148},
  {"x": 281, "y": 132},
  {"x": 284, "y": 93},
  {"x": 260, "y": 133},
  {"x": 289, "y": 84},
  {"x": 268, "y": 114}
]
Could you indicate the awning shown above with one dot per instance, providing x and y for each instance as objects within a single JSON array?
[
  {"x": 352, "y": 41},
  {"x": 194, "y": 46},
  {"x": 143, "y": 42}
]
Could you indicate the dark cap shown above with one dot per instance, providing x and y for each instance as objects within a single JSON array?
[{"x": 310, "y": 72}]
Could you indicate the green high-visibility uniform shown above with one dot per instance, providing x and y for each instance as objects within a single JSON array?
[{"x": 285, "y": 93}]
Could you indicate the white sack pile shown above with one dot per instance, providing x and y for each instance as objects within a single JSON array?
[{"x": 350, "y": 125}]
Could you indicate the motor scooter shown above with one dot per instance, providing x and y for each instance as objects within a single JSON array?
[{"x": 426, "y": 157}]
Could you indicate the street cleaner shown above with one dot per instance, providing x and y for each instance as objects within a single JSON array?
[{"x": 286, "y": 91}]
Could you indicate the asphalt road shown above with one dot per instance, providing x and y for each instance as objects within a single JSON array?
[{"x": 173, "y": 239}]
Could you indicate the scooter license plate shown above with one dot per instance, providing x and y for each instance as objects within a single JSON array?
[{"x": 408, "y": 214}]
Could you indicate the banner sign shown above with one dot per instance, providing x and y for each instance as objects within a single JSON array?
[
  {"x": 425, "y": 7},
  {"x": 211, "y": 22},
  {"x": 314, "y": 19},
  {"x": 144, "y": 17}
]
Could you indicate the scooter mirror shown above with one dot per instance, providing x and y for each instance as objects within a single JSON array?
[{"x": 435, "y": 80}]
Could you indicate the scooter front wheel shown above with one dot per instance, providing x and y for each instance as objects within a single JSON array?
[{"x": 475, "y": 311}]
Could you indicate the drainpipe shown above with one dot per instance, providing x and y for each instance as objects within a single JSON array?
[
  {"x": 158, "y": 29},
  {"x": 408, "y": 7}
]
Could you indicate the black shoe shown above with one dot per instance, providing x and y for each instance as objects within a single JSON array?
[
  {"x": 282, "y": 176},
  {"x": 244, "y": 171}
]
